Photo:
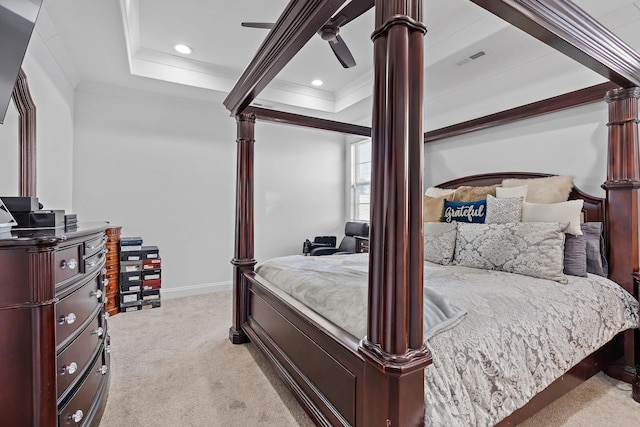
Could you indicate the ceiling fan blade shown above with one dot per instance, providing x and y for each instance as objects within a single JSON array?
[
  {"x": 342, "y": 52},
  {"x": 351, "y": 12},
  {"x": 265, "y": 25}
]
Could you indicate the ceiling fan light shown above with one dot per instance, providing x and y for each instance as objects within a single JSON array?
[
  {"x": 317, "y": 82},
  {"x": 183, "y": 48}
]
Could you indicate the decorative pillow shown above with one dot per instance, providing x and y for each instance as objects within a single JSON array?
[
  {"x": 570, "y": 211},
  {"x": 465, "y": 211},
  {"x": 439, "y": 192},
  {"x": 596, "y": 258},
  {"x": 439, "y": 242},
  {"x": 467, "y": 193},
  {"x": 504, "y": 192},
  {"x": 575, "y": 255},
  {"x": 500, "y": 211},
  {"x": 432, "y": 208},
  {"x": 552, "y": 189},
  {"x": 532, "y": 249}
]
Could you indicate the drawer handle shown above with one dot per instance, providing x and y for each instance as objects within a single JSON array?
[
  {"x": 68, "y": 319},
  {"x": 99, "y": 332},
  {"x": 103, "y": 369},
  {"x": 105, "y": 282},
  {"x": 104, "y": 270},
  {"x": 106, "y": 315},
  {"x": 76, "y": 417},
  {"x": 71, "y": 264},
  {"x": 107, "y": 349},
  {"x": 97, "y": 294},
  {"x": 71, "y": 369}
]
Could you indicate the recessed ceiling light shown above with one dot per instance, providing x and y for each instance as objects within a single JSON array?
[
  {"x": 317, "y": 82},
  {"x": 183, "y": 48}
]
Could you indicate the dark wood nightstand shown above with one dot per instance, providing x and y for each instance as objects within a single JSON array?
[{"x": 362, "y": 245}]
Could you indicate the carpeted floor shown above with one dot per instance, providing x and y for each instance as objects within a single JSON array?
[{"x": 174, "y": 366}]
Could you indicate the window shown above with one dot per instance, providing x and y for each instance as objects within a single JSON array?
[{"x": 360, "y": 180}]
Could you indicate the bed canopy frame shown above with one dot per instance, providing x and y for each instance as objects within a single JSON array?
[{"x": 385, "y": 386}]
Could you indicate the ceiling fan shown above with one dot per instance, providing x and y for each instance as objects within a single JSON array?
[{"x": 331, "y": 30}]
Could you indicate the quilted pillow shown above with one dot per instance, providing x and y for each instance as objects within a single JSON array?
[
  {"x": 468, "y": 193},
  {"x": 465, "y": 211},
  {"x": 552, "y": 189},
  {"x": 439, "y": 242},
  {"x": 531, "y": 249},
  {"x": 570, "y": 211},
  {"x": 500, "y": 211}
]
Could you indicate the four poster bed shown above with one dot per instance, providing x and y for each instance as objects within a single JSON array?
[{"x": 379, "y": 367}]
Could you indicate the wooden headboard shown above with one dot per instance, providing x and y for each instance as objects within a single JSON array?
[{"x": 594, "y": 207}]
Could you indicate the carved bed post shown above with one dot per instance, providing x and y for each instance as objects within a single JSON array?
[
  {"x": 623, "y": 181},
  {"x": 394, "y": 350},
  {"x": 243, "y": 259},
  {"x": 27, "y": 111}
]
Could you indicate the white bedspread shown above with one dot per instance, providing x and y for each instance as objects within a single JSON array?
[{"x": 518, "y": 334}]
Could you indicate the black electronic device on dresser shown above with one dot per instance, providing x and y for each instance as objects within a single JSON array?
[{"x": 54, "y": 346}]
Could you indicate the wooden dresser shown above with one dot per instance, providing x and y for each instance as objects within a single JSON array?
[{"x": 54, "y": 352}]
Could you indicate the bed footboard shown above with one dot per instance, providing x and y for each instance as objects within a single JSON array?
[{"x": 318, "y": 361}]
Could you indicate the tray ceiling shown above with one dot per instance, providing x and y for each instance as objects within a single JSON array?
[{"x": 131, "y": 44}]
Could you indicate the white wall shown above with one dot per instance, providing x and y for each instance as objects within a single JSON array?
[
  {"x": 164, "y": 169},
  {"x": 569, "y": 142},
  {"x": 53, "y": 96}
]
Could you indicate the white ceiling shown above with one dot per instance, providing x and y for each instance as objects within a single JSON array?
[{"x": 130, "y": 43}]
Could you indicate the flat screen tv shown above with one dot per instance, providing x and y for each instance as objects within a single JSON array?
[{"x": 17, "y": 19}]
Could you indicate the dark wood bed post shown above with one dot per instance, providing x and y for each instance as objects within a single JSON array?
[
  {"x": 27, "y": 111},
  {"x": 394, "y": 350},
  {"x": 623, "y": 182},
  {"x": 243, "y": 260}
]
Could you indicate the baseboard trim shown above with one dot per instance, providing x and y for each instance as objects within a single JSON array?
[{"x": 205, "y": 288}]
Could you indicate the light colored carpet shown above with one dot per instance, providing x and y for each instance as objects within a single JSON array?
[{"x": 174, "y": 366}]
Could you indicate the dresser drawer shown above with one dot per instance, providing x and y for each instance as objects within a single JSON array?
[
  {"x": 94, "y": 261},
  {"x": 73, "y": 362},
  {"x": 75, "y": 411},
  {"x": 67, "y": 263},
  {"x": 95, "y": 245},
  {"x": 74, "y": 309}
]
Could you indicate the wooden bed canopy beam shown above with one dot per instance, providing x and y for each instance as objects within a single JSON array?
[
  {"x": 307, "y": 121},
  {"x": 567, "y": 28},
  {"x": 300, "y": 21},
  {"x": 556, "y": 103},
  {"x": 575, "y": 98}
]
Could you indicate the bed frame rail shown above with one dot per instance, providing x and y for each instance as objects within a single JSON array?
[{"x": 318, "y": 361}]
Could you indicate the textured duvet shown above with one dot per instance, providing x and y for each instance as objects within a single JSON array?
[{"x": 502, "y": 338}]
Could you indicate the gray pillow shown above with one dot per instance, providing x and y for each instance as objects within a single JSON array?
[
  {"x": 575, "y": 255},
  {"x": 439, "y": 241},
  {"x": 503, "y": 210},
  {"x": 530, "y": 248},
  {"x": 596, "y": 259}
]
